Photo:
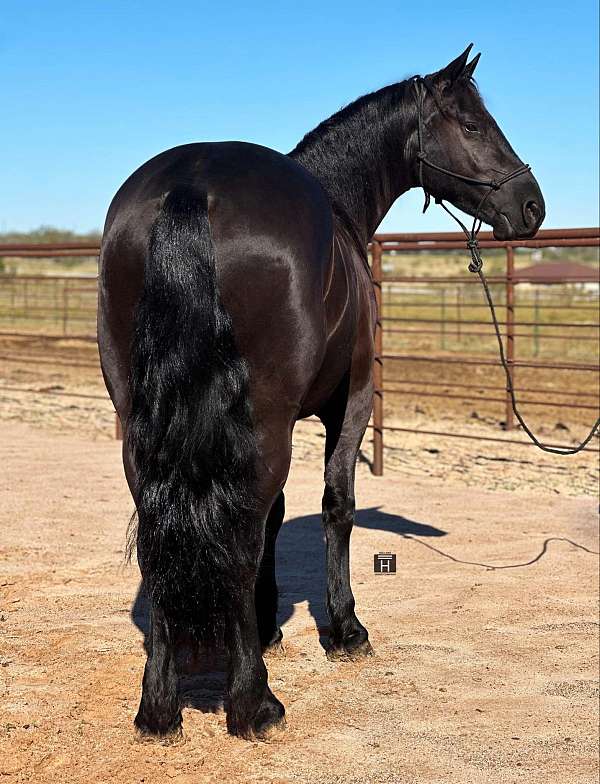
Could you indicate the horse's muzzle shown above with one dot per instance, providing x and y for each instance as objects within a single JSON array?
[
  {"x": 521, "y": 217},
  {"x": 533, "y": 214}
]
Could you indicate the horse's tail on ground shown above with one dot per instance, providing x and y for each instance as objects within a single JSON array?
[{"x": 190, "y": 429}]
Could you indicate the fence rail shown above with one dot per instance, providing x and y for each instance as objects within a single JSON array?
[{"x": 66, "y": 304}]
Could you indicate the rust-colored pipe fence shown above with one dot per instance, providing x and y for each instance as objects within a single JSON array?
[
  {"x": 61, "y": 290},
  {"x": 455, "y": 241}
]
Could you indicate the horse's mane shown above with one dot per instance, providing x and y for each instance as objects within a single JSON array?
[{"x": 375, "y": 104}]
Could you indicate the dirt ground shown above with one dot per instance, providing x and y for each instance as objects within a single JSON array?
[{"x": 486, "y": 638}]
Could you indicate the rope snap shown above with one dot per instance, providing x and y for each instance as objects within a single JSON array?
[{"x": 476, "y": 260}]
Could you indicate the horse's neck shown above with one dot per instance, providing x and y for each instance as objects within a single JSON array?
[{"x": 362, "y": 156}]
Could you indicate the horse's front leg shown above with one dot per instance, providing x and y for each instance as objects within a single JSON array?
[{"x": 345, "y": 421}]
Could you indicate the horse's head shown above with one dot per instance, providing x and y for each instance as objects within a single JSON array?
[{"x": 461, "y": 136}]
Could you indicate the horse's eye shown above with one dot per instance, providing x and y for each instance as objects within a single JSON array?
[{"x": 471, "y": 128}]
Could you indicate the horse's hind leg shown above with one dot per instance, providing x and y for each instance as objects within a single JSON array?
[
  {"x": 252, "y": 707},
  {"x": 266, "y": 583},
  {"x": 159, "y": 712},
  {"x": 345, "y": 418}
]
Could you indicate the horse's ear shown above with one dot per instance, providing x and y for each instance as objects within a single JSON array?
[
  {"x": 470, "y": 67},
  {"x": 455, "y": 70}
]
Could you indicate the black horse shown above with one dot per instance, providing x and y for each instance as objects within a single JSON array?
[{"x": 235, "y": 298}]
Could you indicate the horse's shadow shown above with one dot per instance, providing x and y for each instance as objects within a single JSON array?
[
  {"x": 301, "y": 573},
  {"x": 301, "y": 578}
]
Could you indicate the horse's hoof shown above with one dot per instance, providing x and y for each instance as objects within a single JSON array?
[
  {"x": 346, "y": 652},
  {"x": 269, "y": 717},
  {"x": 167, "y": 733}
]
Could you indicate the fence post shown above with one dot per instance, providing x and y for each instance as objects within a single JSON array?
[
  {"x": 56, "y": 305},
  {"x": 443, "y": 324},
  {"x": 510, "y": 331},
  {"x": 536, "y": 328},
  {"x": 377, "y": 272},
  {"x": 65, "y": 313}
]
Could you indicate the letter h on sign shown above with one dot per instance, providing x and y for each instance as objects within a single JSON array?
[{"x": 384, "y": 563}]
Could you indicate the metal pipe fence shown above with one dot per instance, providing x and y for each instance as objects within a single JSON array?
[
  {"x": 434, "y": 307},
  {"x": 399, "y": 244}
]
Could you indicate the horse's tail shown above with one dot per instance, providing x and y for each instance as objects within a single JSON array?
[{"x": 189, "y": 430}]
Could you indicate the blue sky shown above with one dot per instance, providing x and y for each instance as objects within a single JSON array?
[{"x": 92, "y": 90}]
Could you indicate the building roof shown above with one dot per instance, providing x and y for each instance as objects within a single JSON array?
[{"x": 558, "y": 272}]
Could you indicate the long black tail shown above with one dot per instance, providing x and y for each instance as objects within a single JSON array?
[{"x": 190, "y": 428}]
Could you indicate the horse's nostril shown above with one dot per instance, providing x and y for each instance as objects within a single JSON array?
[{"x": 531, "y": 212}]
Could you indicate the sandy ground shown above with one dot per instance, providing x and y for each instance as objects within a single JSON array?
[{"x": 486, "y": 639}]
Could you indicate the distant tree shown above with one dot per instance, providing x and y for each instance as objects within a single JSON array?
[{"x": 50, "y": 234}]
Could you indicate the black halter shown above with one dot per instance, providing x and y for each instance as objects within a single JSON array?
[
  {"x": 421, "y": 88},
  {"x": 476, "y": 263}
]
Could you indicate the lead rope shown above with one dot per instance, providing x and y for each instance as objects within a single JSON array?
[{"x": 476, "y": 266}]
